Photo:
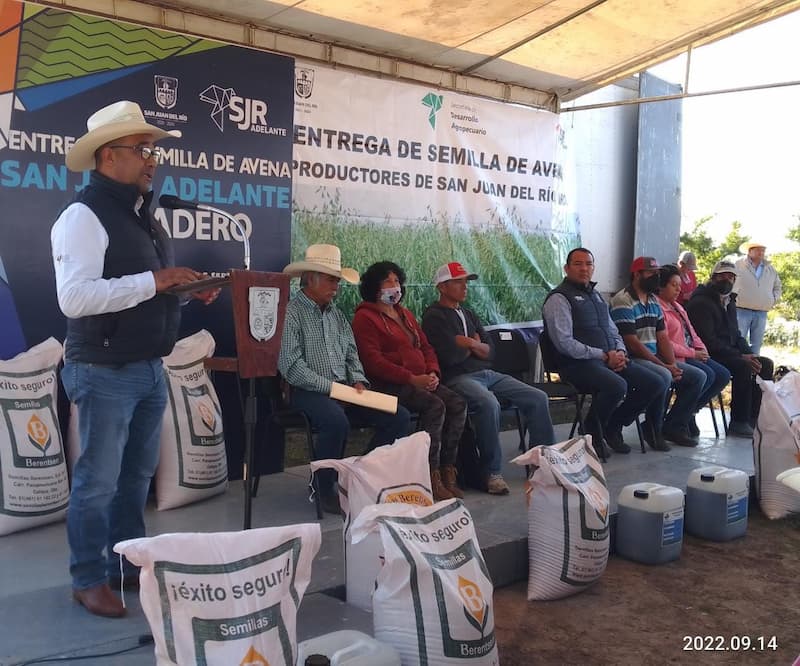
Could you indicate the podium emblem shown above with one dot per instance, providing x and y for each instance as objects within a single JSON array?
[{"x": 263, "y": 311}]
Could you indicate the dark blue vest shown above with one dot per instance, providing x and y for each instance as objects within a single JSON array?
[
  {"x": 590, "y": 324},
  {"x": 135, "y": 244}
]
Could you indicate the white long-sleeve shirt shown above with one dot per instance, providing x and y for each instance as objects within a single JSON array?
[{"x": 79, "y": 243}]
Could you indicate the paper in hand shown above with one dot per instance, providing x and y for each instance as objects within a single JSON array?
[{"x": 373, "y": 399}]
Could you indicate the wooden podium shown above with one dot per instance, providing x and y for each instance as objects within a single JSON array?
[{"x": 259, "y": 309}]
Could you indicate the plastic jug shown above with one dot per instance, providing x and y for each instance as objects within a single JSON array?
[
  {"x": 348, "y": 648},
  {"x": 650, "y": 523},
  {"x": 716, "y": 503}
]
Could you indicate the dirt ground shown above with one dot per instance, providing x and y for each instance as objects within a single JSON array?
[{"x": 639, "y": 614}]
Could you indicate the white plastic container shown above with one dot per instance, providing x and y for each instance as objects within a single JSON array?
[
  {"x": 650, "y": 523},
  {"x": 791, "y": 478},
  {"x": 716, "y": 503},
  {"x": 349, "y": 648}
]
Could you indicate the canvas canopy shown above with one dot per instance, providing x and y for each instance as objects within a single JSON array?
[{"x": 540, "y": 53}]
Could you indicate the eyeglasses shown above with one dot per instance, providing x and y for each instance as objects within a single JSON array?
[{"x": 145, "y": 151}]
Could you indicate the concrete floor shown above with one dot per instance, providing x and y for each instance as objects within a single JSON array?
[{"x": 38, "y": 619}]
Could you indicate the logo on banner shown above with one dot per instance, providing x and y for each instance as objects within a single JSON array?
[
  {"x": 263, "y": 312},
  {"x": 434, "y": 103},
  {"x": 166, "y": 91},
  {"x": 220, "y": 99},
  {"x": 303, "y": 82},
  {"x": 250, "y": 115}
]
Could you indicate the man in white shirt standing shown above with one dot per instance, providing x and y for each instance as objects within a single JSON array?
[
  {"x": 113, "y": 268},
  {"x": 759, "y": 289}
]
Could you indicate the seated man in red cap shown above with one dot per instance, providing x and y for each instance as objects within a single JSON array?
[
  {"x": 317, "y": 349},
  {"x": 640, "y": 321},
  {"x": 464, "y": 353}
]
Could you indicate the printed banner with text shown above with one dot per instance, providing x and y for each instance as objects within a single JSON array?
[
  {"x": 396, "y": 171},
  {"x": 233, "y": 105}
]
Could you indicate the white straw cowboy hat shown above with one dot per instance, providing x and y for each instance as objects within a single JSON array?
[
  {"x": 111, "y": 122},
  {"x": 322, "y": 259},
  {"x": 744, "y": 248}
]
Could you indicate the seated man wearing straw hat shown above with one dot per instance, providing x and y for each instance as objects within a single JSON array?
[
  {"x": 317, "y": 349},
  {"x": 113, "y": 265}
]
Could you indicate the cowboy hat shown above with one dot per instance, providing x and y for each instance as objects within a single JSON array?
[
  {"x": 744, "y": 248},
  {"x": 322, "y": 259},
  {"x": 111, "y": 122}
]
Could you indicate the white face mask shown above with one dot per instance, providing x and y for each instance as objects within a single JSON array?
[{"x": 390, "y": 296}]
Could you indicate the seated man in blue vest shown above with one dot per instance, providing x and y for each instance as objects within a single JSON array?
[
  {"x": 317, "y": 349},
  {"x": 592, "y": 355},
  {"x": 640, "y": 321},
  {"x": 114, "y": 267}
]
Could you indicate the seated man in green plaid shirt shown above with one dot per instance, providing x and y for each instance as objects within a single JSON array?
[{"x": 317, "y": 349}]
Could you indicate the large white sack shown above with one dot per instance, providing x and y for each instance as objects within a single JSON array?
[
  {"x": 433, "y": 602},
  {"x": 224, "y": 598},
  {"x": 568, "y": 536},
  {"x": 193, "y": 465},
  {"x": 33, "y": 471},
  {"x": 776, "y": 444},
  {"x": 397, "y": 472}
]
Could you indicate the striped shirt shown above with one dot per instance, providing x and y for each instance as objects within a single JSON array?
[
  {"x": 633, "y": 317},
  {"x": 318, "y": 347}
]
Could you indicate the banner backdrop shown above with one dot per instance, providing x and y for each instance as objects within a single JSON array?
[
  {"x": 233, "y": 105},
  {"x": 395, "y": 171}
]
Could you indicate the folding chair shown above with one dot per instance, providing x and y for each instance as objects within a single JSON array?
[{"x": 512, "y": 356}]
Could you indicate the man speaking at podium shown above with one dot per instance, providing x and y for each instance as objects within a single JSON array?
[{"x": 113, "y": 268}]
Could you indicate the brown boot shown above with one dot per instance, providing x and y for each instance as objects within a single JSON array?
[
  {"x": 99, "y": 600},
  {"x": 440, "y": 493},
  {"x": 450, "y": 480}
]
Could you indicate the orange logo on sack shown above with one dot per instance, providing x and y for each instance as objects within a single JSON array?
[
  {"x": 253, "y": 658},
  {"x": 207, "y": 415},
  {"x": 473, "y": 601},
  {"x": 408, "y": 496},
  {"x": 38, "y": 433}
]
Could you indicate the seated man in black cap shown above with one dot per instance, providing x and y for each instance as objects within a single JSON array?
[{"x": 712, "y": 311}]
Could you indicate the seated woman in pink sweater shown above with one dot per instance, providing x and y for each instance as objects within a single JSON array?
[
  {"x": 688, "y": 346},
  {"x": 398, "y": 359}
]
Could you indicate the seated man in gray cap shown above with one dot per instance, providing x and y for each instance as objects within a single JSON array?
[
  {"x": 712, "y": 311},
  {"x": 317, "y": 349},
  {"x": 464, "y": 352}
]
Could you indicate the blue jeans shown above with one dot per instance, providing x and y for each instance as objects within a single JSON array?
[
  {"x": 717, "y": 378},
  {"x": 482, "y": 390},
  {"x": 617, "y": 397},
  {"x": 752, "y": 324},
  {"x": 330, "y": 419},
  {"x": 120, "y": 411},
  {"x": 687, "y": 391}
]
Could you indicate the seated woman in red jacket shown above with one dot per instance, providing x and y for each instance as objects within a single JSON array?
[
  {"x": 398, "y": 359},
  {"x": 687, "y": 345}
]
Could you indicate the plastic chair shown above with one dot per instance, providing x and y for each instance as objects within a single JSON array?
[
  {"x": 512, "y": 356},
  {"x": 287, "y": 418},
  {"x": 714, "y": 417},
  {"x": 550, "y": 364}
]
